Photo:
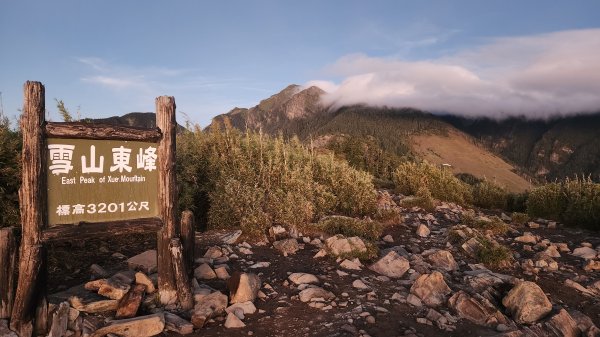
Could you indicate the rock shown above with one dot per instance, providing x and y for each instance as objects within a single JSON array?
[
  {"x": 248, "y": 308},
  {"x": 114, "y": 288},
  {"x": 414, "y": 300},
  {"x": 143, "y": 326},
  {"x": 527, "y": 303},
  {"x": 315, "y": 292},
  {"x": 526, "y": 238},
  {"x": 423, "y": 231},
  {"x": 145, "y": 262},
  {"x": 476, "y": 309},
  {"x": 391, "y": 265},
  {"x": 431, "y": 289},
  {"x": 98, "y": 272},
  {"x": 141, "y": 278},
  {"x": 443, "y": 259},
  {"x": 320, "y": 253},
  {"x": 243, "y": 287},
  {"x": 204, "y": 272},
  {"x": 339, "y": 245},
  {"x": 351, "y": 264},
  {"x": 60, "y": 318},
  {"x": 579, "y": 287},
  {"x": 388, "y": 238},
  {"x": 5, "y": 331},
  {"x": 303, "y": 278},
  {"x": 130, "y": 303},
  {"x": 209, "y": 306},
  {"x": 585, "y": 253},
  {"x": 233, "y": 322},
  {"x": 263, "y": 264},
  {"x": 213, "y": 252},
  {"x": 287, "y": 246},
  {"x": 472, "y": 246},
  {"x": 552, "y": 251},
  {"x": 359, "y": 284},
  {"x": 277, "y": 232},
  {"x": 533, "y": 225},
  {"x": 231, "y": 238},
  {"x": 177, "y": 324},
  {"x": 222, "y": 273},
  {"x": 563, "y": 325},
  {"x": 592, "y": 265}
]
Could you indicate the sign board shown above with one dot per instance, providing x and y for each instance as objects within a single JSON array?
[{"x": 101, "y": 180}]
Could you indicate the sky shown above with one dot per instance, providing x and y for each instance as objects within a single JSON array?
[{"x": 474, "y": 58}]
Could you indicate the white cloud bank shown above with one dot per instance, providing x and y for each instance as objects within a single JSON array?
[{"x": 536, "y": 76}]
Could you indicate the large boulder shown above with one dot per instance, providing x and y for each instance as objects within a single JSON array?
[
  {"x": 209, "y": 306},
  {"x": 391, "y": 265},
  {"x": 563, "y": 325},
  {"x": 431, "y": 289},
  {"x": 243, "y": 287},
  {"x": 339, "y": 245},
  {"x": 527, "y": 303},
  {"x": 443, "y": 259},
  {"x": 476, "y": 309}
]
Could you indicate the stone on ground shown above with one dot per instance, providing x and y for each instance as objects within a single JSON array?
[
  {"x": 339, "y": 245},
  {"x": 562, "y": 324},
  {"x": 443, "y": 259},
  {"x": 303, "y": 278},
  {"x": 209, "y": 306},
  {"x": 145, "y": 262},
  {"x": 287, "y": 246},
  {"x": 143, "y": 326},
  {"x": 423, "y": 231},
  {"x": 141, "y": 278},
  {"x": 315, "y": 292},
  {"x": 177, "y": 324},
  {"x": 391, "y": 265},
  {"x": 204, "y": 272},
  {"x": 431, "y": 289},
  {"x": 476, "y": 309},
  {"x": 248, "y": 308},
  {"x": 527, "y": 303},
  {"x": 233, "y": 322},
  {"x": 585, "y": 253},
  {"x": 243, "y": 287},
  {"x": 231, "y": 238}
]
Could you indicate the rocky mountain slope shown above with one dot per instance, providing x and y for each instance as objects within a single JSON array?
[{"x": 428, "y": 279}]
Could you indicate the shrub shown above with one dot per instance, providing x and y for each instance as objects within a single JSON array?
[
  {"x": 252, "y": 181},
  {"x": 366, "y": 229},
  {"x": 574, "y": 202},
  {"x": 489, "y": 195},
  {"x": 493, "y": 223},
  {"x": 492, "y": 254},
  {"x": 410, "y": 177},
  {"x": 10, "y": 174},
  {"x": 519, "y": 218}
]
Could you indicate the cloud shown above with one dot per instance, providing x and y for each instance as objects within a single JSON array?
[{"x": 537, "y": 76}]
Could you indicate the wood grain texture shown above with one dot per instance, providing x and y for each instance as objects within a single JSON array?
[
  {"x": 167, "y": 196},
  {"x": 188, "y": 239},
  {"x": 184, "y": 286},
  {"x": 104, "y": 229},
  {"x": 32, "y": 200},
  {"x": 101, "y": 131},
  {"x": 8, "y": 261}
]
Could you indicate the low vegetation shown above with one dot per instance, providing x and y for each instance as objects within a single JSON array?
[
  {"x": 366, "y": 229},
  {"x": 257, "y": 181},
  {"x": 492, "y": 254},
  {"x": 574, "y": 202}
]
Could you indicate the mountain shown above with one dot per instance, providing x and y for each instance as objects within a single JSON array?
[
  {"x": 549, "y": 150},
  {"x": 364, "y": 135}
]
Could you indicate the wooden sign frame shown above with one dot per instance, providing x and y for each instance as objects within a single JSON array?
[{"x": 29, "y": 312}]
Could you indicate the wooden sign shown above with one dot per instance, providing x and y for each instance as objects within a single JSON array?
[{"x": 101, "y": 180}]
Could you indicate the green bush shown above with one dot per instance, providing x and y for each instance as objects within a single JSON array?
[
  {"x": 10, "y": 174},
  {"x": 252, "y": 181},
  {"x": 366, "y": 229},
  {"x": 574, "y": 202},
  {"x": 489, "y": 195},
  {"x": 410, "y": 177},
  {"x": 492, "y": 254}
]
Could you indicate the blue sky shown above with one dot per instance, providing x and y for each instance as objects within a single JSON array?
[{"x": 112, "y": 57}]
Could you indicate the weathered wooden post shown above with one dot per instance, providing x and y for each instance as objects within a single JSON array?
[
  {"x": 188, "y": 239},
  {"x": 184, "y": 291},
  {"x": 32, "y": 199},
  {"x": 167, "y": 197},
  {"x": 8, "y": 261}
]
